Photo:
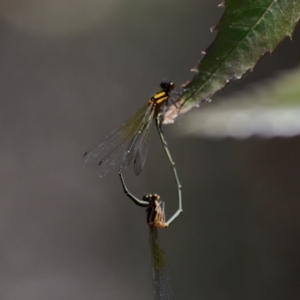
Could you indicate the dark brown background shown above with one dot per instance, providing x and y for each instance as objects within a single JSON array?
[{"x": 71, "y": 71}]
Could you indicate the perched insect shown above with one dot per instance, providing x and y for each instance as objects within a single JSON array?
[
  {"x": 131, "y": 139},
  {"x": 162, "y": 284}
]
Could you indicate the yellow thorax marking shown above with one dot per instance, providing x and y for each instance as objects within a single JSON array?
[{"x": 160, "y": 97}]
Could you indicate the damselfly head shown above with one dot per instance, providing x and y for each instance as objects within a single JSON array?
[
  {"x": 151, "y": 197},
  {"x": 167, "y": 86},
  {"x": 155, "y": 211}
]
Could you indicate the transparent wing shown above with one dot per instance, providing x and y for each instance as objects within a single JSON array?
[
  {"x": 142, "y": 149},
  {"x": 136, "y": 143},
  {"x": 109, "y": 151},
  {"x": 162, "y": 285},
  {"x": 112, "y": 161}
]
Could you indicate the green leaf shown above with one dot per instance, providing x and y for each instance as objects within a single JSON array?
[
  {"x": 272, "y": 110},
  {"x": 247, "y": 30}
]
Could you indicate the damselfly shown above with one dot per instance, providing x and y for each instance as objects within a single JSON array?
[
  {"x": 131, "y": 139},
  {"x": 162, "y": 285}
]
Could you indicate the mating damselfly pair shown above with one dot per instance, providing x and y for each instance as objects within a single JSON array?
[{"x": 131, "y": 141}]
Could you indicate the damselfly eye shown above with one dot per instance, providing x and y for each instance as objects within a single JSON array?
[
  {"x": 167, "y": 86},
  {"x": 155, "y": 197}
]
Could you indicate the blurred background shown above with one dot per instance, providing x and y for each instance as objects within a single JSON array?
[{"x": 72, "y": 71}]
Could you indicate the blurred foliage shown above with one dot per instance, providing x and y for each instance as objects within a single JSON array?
[{"x": 272, "y": 109}]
